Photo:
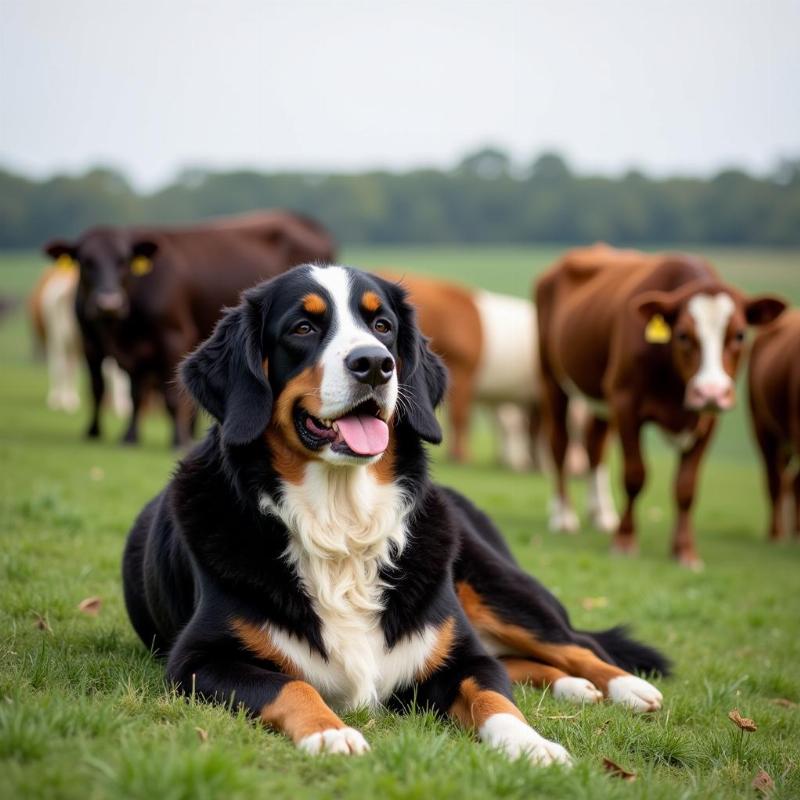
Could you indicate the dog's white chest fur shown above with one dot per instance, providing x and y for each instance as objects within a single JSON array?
[{"x": 344, "y": 525}]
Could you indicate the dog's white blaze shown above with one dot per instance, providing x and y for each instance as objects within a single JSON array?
[
  {"x": 602, "y": 512},
  {"x": 508, "y": 368},
  {"x": 336, "y": 389},
  {"x": 711, "y": 314},
  {"x": 516, "y": 738},
  {"x": 344, "y": 525}
]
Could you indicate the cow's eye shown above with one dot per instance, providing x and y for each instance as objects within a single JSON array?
[
  {"x": 739, "y": 336},
  {"x": 382, "y": 325},
  {"x": 682, "y": 337},
  {"x": 303, "y": 328}
]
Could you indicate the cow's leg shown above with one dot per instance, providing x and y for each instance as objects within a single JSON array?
[
  {"x": 775, "y": 463},
  {"x": 513, "y": 433},
  {"x": 683, "y": 547},
  {"x": 796, "y": 514},
  {"x": 578, "y": 416},
  {"x": 634, "y": 474},
  {"x": 459, "y": 406},
  {"x": 562, "y": 515},
  {"x": 543, "y": 676},
  {"x": 94, "y": 361},
  {"x": 131, "y": 435},
  {"x": 602, "y": 514},
  {"x": 180, "y": 410}
]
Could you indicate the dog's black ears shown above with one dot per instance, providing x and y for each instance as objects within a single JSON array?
[
  {"x": 423, "y": 376},
  {"x": 226, "y": 376}
]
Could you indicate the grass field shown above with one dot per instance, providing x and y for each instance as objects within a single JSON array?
[{"x": 85, "y": 712}]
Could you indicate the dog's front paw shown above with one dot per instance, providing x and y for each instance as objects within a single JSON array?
[
  {"x": 636, "y": 693},
  {"x": 347, "y": 741},
  {"x": 576, "y": 690},
  {"x": 517, "y": 739}
]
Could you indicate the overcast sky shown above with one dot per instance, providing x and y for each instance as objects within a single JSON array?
[{"x": 150, "y": 87}]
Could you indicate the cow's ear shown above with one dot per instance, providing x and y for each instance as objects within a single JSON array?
[
  {"x": 763, "y": 309},
  {"x": 226, "y": 375},
  {"x": 57, "y": 248},
  {"x": 423, "y": 376},
  {"x": 665, "y": 304},
  {"x": 144, "y": 248}
]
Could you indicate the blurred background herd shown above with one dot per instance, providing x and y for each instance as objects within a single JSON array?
[{"x": 671, "y": 145}]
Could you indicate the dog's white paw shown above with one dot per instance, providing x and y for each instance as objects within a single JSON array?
[
  {"x": 576, "y": 690},
  {"x": 563, "y": 518},
  {"x": 637, "y": 694},
  {"x": 517, "y": 739},
  {"x": 347, "y": 741}
]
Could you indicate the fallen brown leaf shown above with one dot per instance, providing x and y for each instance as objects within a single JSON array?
[
  {"x": 744, "y": 723},
  {"x": 783, "y": 702},
  {"x": 762, "y": 783},
  {"x": 91, "y": 606},
  {"x": 41, "y": 623},
  {"x": 617, "y": 771},
  {"x": 202, "y": 734}
]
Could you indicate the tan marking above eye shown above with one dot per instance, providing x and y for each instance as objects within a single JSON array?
[
  {"x": 370, "y": 301},
  {"x": 314, "y": 304}
]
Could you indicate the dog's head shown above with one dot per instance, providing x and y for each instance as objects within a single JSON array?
[{"x": 327, "y": 359}]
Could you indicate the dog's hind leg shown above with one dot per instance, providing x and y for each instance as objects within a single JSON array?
[{"x": 543, "y": 676}]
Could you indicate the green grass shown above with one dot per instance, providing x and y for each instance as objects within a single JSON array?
[{"x": 85, "y": 713}]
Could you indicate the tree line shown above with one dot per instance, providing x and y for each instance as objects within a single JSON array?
[{"x": 484, "y": 199}]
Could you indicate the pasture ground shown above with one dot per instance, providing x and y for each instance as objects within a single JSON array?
[{"x": 85, "y": 713}]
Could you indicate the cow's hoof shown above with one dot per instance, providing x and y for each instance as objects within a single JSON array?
[
  {"x": 129, "y": 439},
  {"x": 604, "y": 521},
  {"x": 624, "y": 546},
  {"x": 92, "y": 433},
  {"x": 690, "y": 561},
  {"x": 563, "y": 518}
]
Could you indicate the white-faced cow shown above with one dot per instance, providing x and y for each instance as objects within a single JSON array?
[{"x": 645, "y": 338}]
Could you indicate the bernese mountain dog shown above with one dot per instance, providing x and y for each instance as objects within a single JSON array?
[{"x": 301, "y": 560}]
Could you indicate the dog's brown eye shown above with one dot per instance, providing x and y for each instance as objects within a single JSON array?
[
  {"x": 382, "y": 326},
  {"x": 302, "y": 329}
]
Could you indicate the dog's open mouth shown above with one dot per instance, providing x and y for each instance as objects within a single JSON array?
[{"x": 360, "y": 432}]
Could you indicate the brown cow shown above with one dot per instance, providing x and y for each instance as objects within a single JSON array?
[
  {"x": 147, "y": 296},
  {"x": 489, "y": 344},
  {"x": 774, "y": 381},
  {"x": 645, "y": 338}
]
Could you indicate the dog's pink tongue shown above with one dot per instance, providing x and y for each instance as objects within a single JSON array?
[{"x": 365, "y": 435}]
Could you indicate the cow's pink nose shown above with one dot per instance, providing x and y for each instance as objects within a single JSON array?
[
  {"x": 110, "y": 301},
  {"x": 712, "y": 396}
]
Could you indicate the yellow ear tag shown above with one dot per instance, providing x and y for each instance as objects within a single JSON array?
[
  {"x": 141, "y": 265},
  {"x": 657, "y": 330},
  {"x": 65, "y": 262}
]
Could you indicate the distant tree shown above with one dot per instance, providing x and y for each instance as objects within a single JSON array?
[
  {"x": 484, "y": 199},
  {"x": 487, "y": 163}
]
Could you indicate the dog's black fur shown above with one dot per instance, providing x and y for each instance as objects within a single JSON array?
[{"x": 203, "y": 553}]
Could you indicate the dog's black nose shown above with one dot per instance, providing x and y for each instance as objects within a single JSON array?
[{"x": 372, "y": 365}]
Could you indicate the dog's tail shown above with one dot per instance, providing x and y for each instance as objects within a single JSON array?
[{"x": 629, "y": 654}]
